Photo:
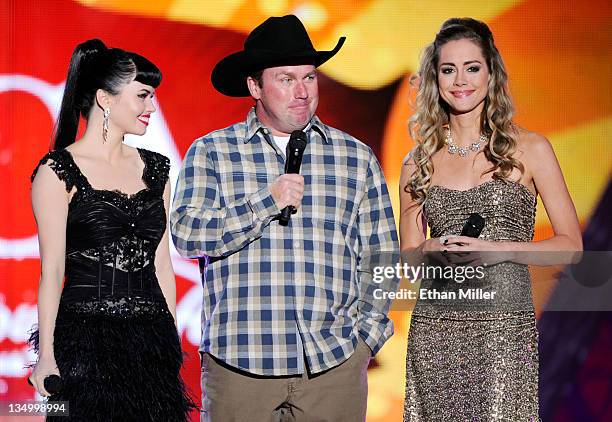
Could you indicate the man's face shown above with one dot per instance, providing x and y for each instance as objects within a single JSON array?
[{"x": 287, "y": 98}]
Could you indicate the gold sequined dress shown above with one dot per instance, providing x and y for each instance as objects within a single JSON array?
[{"x": 472, "y": 359}]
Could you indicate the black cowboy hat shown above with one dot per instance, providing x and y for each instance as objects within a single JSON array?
[{"x": 278, "y": 41}]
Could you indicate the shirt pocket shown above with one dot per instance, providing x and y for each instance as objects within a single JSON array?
[
  {"x": 240, "y": 180},
  {"x": 333, "y": 197}
]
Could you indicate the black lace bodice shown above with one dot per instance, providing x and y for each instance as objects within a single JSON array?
[{"x": 111, "y": 237}]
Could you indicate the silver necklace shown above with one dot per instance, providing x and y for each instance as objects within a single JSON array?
[{"x": 463, "y": 151}]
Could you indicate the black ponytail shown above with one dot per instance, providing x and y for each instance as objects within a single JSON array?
[
  {"x": 68, "y": 119},
  {"x": 93, "y": 66}
]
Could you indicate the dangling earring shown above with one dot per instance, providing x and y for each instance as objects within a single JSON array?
[{"x": 105, "y": 124}]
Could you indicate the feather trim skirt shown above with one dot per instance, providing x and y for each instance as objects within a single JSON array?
[{"x": 119, "y": 361}]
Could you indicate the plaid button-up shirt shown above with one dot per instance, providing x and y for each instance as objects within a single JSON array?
[{"x": 275, "y": 296}]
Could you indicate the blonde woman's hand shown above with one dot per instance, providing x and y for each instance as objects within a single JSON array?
[{"x": 436, "y": 244}]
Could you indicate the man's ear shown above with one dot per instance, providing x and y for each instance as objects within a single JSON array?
[{"x": 254, "y": 87}]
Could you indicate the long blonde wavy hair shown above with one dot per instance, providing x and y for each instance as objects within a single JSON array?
[{"x": 428, "y": 125}]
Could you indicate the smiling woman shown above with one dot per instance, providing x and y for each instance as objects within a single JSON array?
[
  {"x": 462, "y": 83},
  {"x": 111, "y": 327},
  {"x": 470, "y": 159},
  {"x": 133, "y": 108},
  {"x": 463, "y": 78}
]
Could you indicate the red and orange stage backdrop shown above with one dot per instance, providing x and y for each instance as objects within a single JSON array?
[{"x": 557, "y": 54}]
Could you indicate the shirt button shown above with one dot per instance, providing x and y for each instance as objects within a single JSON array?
[
  {"x": 265, "y": 131},
  {"x": 296, "y": 244}
]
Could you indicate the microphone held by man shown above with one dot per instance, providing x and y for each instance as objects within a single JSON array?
[{"x": 295, "y": 151}]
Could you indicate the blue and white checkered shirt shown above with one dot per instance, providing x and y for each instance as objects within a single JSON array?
[{"x": 274, "y": 295}]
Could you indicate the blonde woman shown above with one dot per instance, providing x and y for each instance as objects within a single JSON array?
[{"x": 475, "y": 359}]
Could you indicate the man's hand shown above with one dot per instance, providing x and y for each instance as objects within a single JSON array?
[{"x": 288, "y": 189}]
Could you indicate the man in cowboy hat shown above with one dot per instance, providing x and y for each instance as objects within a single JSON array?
[{"x": 289, "y": 320}]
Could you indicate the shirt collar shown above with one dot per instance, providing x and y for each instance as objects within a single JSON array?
[
  {"x": 317, "y": 124},
  {"x": 253, "y": 125}
]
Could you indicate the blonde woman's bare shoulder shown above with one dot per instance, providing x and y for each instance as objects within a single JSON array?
[
  {"x": 533, "y": 144},
  {"x": 536, "y": 152}
]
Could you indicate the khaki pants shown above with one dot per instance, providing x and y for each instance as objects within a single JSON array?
[{"x": 337, "y": 395}]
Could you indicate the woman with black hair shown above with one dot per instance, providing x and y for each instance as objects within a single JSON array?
[{"x": 101, "y": 209}]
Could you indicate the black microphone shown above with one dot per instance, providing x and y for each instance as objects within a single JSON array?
[
  {"x": 473, "y": 226},
  {"x": 295, "y": 151},
  {"x": 53, "y": 384}
]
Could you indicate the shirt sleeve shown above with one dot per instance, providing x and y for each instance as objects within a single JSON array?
[
  {"x": 379, "y": 248},
  {"x": 200, "y": 225}
]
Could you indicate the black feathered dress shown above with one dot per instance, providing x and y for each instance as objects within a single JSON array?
[{"x": 115, "y": 342}]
